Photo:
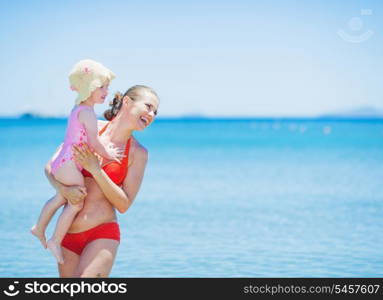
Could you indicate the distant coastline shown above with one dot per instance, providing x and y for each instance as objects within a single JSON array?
[
  {"x": 359, "y": 113},
  {"x": 212, "y": 119}
]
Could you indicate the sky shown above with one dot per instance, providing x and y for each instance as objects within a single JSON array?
[{"x": 203, "y": 58}]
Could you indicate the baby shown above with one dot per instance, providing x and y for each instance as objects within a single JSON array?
[{"x": 90, "y": 79}]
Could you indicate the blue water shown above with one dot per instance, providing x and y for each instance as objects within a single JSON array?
[{"x": 250, "y": 198}]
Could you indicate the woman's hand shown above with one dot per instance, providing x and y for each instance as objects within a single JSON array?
[
  {"x": 86, "y": 158},
  {"x": 74, "y": 194}
]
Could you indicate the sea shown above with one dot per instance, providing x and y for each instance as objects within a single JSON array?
[{"x": 259, "y": 197}]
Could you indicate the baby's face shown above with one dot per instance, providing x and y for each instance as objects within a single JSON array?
[{"x": 99, "y": 94}]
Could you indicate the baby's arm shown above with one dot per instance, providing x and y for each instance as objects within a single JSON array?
[{"x": 89, "y": 120}]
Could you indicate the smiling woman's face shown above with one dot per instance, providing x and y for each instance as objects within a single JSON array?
[{"x": 141, "y": 110}]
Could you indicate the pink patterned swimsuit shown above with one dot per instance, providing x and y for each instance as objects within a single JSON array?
[{"x": 75, "y": 134}]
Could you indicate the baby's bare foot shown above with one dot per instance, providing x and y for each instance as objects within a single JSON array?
[
  {"x": 40, "y": 235},
  {"x": 55, "y": 248}
]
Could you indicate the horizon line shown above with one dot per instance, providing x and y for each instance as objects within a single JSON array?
[{"x": 213, "y": 118}]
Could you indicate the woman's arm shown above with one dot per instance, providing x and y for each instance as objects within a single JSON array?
[
  {"x": 133, "y": 180},
  {"x": 120, "y": 198}
]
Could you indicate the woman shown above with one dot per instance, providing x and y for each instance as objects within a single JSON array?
[{"x": 90, "y": 246}]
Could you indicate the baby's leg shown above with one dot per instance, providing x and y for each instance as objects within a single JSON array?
[
  {"x": 49, "y": 209},
  {"x": 67, "y": 174}
]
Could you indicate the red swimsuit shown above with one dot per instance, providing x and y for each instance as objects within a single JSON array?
[{"x": 76, "y": 242}]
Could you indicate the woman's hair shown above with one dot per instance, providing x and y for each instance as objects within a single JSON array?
[{"x": 135, "y": 92}]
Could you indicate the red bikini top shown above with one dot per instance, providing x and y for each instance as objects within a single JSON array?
[{"x": 117, "y": 172}]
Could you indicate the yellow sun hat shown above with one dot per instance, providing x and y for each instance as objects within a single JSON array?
[{"x": 86, "y": 76}]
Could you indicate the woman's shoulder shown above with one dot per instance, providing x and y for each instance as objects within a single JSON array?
[{"x": 139, "y": 152}]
